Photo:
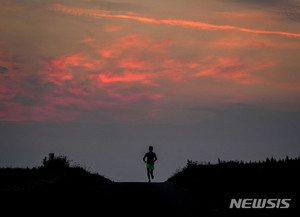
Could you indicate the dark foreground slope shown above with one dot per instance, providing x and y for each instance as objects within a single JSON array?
[
  {"x": 56, "y": 188},
  {"x": 214, "y": 185},
  {"x": 196, "y": 190},
  {"x": 102, "y": 199},
  {"x": 55, "y": 173}
]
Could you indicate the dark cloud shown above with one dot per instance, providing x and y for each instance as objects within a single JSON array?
[
  {"x": 3, "y": 69},
  {"x": 107, "y": 5},
  {"x": 269, "y": 3},
  {"x": 293, "y": 12},
  {"x": 26, "y": 100},
  {"x": 288, "y": 9},
  {"x": 92, "y": 4}
]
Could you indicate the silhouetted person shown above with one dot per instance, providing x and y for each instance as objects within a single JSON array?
[{"x": 151, "y": 158}]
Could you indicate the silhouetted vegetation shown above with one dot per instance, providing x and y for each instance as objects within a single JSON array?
[
  {"x": 207, "y": 188},
  {"x": 270, "y": 168},
  {"x": 59, "y": 163},
  {"x": 212, "y": 184},
  {"x": 55, "y": 174}
]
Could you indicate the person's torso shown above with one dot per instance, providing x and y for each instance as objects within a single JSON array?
[{"x": 150, "y": 157}]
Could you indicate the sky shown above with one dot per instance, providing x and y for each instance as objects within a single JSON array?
[{"x": 100, "y": 81}]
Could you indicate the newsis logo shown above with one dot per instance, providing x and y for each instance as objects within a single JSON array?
[{"x": 260, "y": 203}]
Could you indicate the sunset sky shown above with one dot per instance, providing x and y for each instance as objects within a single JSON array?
[{"x": 99, "y": 81}]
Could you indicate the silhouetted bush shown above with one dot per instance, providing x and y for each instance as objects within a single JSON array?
[
  {"x": 191, "y": 164},
  {"x": 59, "y": 163},
  {"x": 55, "y": 174},
  {"x": 229, "y": 167}
]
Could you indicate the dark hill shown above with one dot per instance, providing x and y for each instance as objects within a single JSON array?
[
  {"x": 56, "y": 173},
  {"x": 57, "y": 188},
  {"x": 214, "y": 185}
]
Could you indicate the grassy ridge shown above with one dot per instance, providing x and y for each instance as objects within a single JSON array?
[
  {"x": 54, "y": 175},
  {"x": 230, "y": 170},
  {"x": 213, "y": 185},
  {"x": 209, "y": 187}
]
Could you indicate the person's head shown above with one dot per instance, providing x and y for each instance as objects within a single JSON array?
[{"x": 150, "y": 148}]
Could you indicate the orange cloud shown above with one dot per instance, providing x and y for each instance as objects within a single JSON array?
[
  {"x": 241, "y": 44},
  {"x": 75, "y": 60},
  {"x": 133, "y": 44},
  {"x": 132, "y": 63},
  {"x": 172, "y": 22},
  {"x": 235, "y": 15},
  {"x": 87, "y": 84},
  {"x": 109, "y": 28},
  {"x": 234, "y": 69},
  {"x": 61, "y": 69},
  {"x": 117, "y": 47},
  {"x": 81, "y": 85},
  {"x": 87, "y": 40},
  {"x": 125, "y": 77}
]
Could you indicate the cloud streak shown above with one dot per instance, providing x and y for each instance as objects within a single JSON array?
[{"x": 99, "y": 14}]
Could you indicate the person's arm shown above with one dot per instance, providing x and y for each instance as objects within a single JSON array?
[
  {"x": 155, "y": 158},
  {"x": 144, "y": 159}
]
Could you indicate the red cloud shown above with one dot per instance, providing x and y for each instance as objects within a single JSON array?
[
  {"x": 132, "y": 63},
  {"x": 109, "y": 28},
  {"x": 145, "y": 78},
  {"x": 125, "y": 77},
  {"x": 242, "y": 44},
  {"x": 6, "y": 93},
  {"x": 132, "y": 72},
  {"x": 89, "y": 88},
  {"x": 11, "y": 76},
  {"x": 75, "y": 60},
  {"x": 88, "y": 40},
  {"x": 132, "y": 43},
  {"x": 62, "y": 68},
  {"x": 134, "y": 46},
  {"x": 172, "y": 22},
  {"x": 118, "y": 47},
  {"x": 234, "y": 69},
  {"x": 7, "y": 61}
]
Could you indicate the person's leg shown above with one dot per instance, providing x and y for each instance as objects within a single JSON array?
[
  {"x": 152, "y": 174},
  {"x": 148, "y": 174},
  {"x": 152, "y": 169}
]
